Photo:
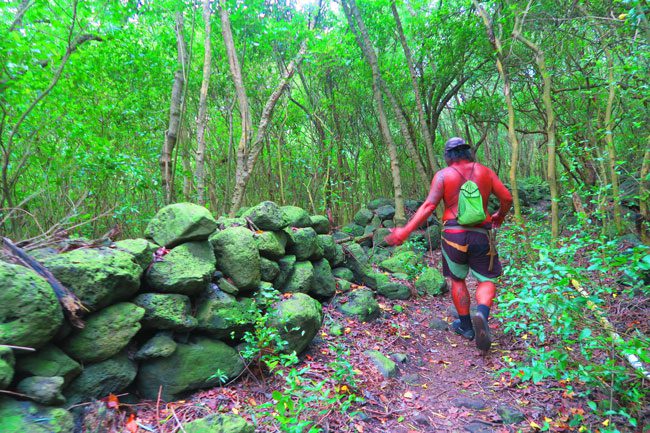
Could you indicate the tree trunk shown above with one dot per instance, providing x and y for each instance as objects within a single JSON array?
[
  {"x": 363, "y": 39},
  {"x": 550, "y": 131},
  {"x": 175, "y": 114},
  {"x": 609, "y": 140},
  {"x": 202, "y": 120},
  {"x": 644, "y": 195},
  {"x": 512, "y": 136}
]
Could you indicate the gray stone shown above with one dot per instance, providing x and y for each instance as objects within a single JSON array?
[
  {"x": 238, "y": 257},
  {"x": 363, "y": 216},
  {"x": 160, "y": 345},
  {"x": 343, "y": 286},
  {"x": 379, "y": 236},
  {"x": 343, "y": 273},
  {"x": 296, "y": 217},
  {"x": 28, "y": 417},
  {"x": 389, "y": 224},
  {"x": 224, "y": 222},
  {"x": 202, "y": 361},
  {"x": 323, "y": 284},
  {"x": 321, "y": 224},
  {"x": 7, "y": 363},
  {"x": 353, "y": 230},
  {"x": 98, "y": 380},
  {"x": 438, "y": 324},
  {"x": 271, "y": 244},
  {"x": 49, "y": 361},
  {"x": 510, "y": 415},
  {"x": 431, "y": 282},
  {"x": 287, "y": 266},
  {"x": 402, "y": 262},
  {"x": 226, "y": 286},
  {"x": 219, "y": 423},
  {"x": 141, "y": 249},
  {"x": 221, "y": 315},
  {"x": 166, "y": 311},
  {"x": 304, "y": 244},
  {"x": 469, "y": 403},
  {"x": 386, "y": 212},
  {"x": 393, "y": 290},
  {"x": 386, "y": 367},
  {"x": 30, "y": 313},
  {"x": 361, "y": 304},
  {"x": 399, "y": 358},
  {"x": 332, "y": 251},
  {"x": 180, "y": 222},
  {"x": 43, "y": 390},
  {"x": 269, "y": 270},
  {"x": 298, "y": 319},
  {"x": 266, "y": 216},
  {"x": 379, "y": 202},
  {"x": 301, "y": 279},
  {"x": 186, "y": 269},
  {"x": 107, "y": 332}
]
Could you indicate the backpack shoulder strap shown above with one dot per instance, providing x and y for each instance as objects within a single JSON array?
[{"x": 461, "y": 174}]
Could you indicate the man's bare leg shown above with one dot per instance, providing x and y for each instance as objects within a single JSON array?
[{"x": 460, "y": 296}]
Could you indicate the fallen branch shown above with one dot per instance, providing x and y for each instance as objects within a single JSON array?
[
  {"x": 634, "y": 360},
  {"x": 69, "y": 301}
]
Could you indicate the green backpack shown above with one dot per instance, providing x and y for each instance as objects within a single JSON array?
[{"x": 470, "y": 203}]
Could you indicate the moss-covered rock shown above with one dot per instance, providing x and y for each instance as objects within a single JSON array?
[
  {"x": 357, "y": 261},
  {"x": 386, "y": 212},
  {"x": 323, "y": 284},
  {"x": 393, "y": 290},
  {"x": 363, "y": 216},
  {"x": 379, "y": 202},
  {"x": 49, "y": 361},
  {"x": 43, "y": 390},
  {"x": 28, "y": 417},
  {"x": 402, "y": 262},
  {"x": 343, "y": 286},
  {"x": 198, "y": 364},
  {"x": 295, "y": 216},
  {"x": 379, "y": 236},
  {"x": 30, "y": 313},
  {"x": 287, "y": 265},
  {"x": 304, "y": 244},
  {"x": 98, "y": 276},
  {"x": 297, "y": 318},
  {"x": 166, "y": 311},
  {"x": 353, "y": 229},
  {"x": 385, "y": 365},
  {"x": 98, "y": 380},
  {"x": 343, "y": 273},
  {"x": 186, "y": 269},
  {"x": 269, "y": 270},
  {"x": 160, "y": 345},
  {"x": 7, "y": 363},
  {"x": 432, "y": 237},
  {"x": 360, "y": 304},
  {"x": 266, "y": 216},
  {"x": 219, "y": 423},
  {"x": 238, "y": 256},
  {"x": 180, "y": 222},
  {"x": 225, "y": 222},
  {"x": 300, "y": 280},
  {"x": 106, "y": 333},
  {"x": 431, "y": 282},
  {"x": 271, "y": 244},
  {"x": 221, "y": 315},
  {"x": 321, "y": 224},
  {"x": 226, "y": 286},
  {"x": 141, "y": 249},
  {"x": 332, "y": 251}
]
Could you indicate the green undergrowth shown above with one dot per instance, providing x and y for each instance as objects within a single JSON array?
[{"x": 565, "y": 341}]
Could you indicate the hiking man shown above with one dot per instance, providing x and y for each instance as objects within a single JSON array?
[{"x": 466, "y": 240}]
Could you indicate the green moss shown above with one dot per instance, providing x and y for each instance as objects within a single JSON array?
[{"x": 186, "y": 269}]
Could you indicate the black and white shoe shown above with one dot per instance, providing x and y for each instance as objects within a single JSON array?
[{"x": 483, "y": 337}]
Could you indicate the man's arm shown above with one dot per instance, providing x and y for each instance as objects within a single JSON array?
[
  {"x": 505, "y": 200},
  {"x": 400, "y": 234}
]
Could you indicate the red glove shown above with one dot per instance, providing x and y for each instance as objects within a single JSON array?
[
  {"x": 497, "y": 219},
  {"x": 397, "y": 236}
]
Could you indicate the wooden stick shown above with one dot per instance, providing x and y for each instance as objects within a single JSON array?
[{"x": 69, "y": 301}]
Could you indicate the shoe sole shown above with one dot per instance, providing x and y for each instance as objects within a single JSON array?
[{"x": 482, "y": 332}]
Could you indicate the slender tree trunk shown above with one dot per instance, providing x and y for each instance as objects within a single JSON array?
[
  {"x": 363, "y": 39},
  {"x": 644, "y": 195},
  {"x": 550, "y": 131},
  {"x": 426, "y": 134},
  {"x": 512, "y": 136},
  {"x": 175, "y": 113},
  {"x": 202, "y": 120},
  {"x": 609, "y": 140}
]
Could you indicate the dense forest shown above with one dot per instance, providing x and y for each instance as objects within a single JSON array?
[{"x": 111, "y": 110}]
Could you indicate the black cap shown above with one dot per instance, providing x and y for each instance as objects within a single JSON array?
[{"x": 455, "y": 142}]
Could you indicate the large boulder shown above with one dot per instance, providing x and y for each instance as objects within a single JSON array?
[
  {"x": 160, "y": 345},
  {"x": 98, "y": 276},
  {"x": 98, "y": 380},
  {"x": 403, "y": 262},
  {"x": 202, "y": 361},
  {"x": 141, "y": 249},
  {"x": 343, "y": 273},
  {"x": 300, "y": 280},
  {"x": 49, "y": 361},
  {"x": 219, "y": 423},
  {"x": 266, "y": 216},
  {"x": 186, "y": 269},
  {"x": 363, "y": 216},
  {"x": 356, "y": 260},
  {"x": 166, "y": 311},
  {"x": 287, "y": 265},
  {"x": 332, "y": 251},
  {"x": 304, "y": 244},
  {"x": 321, "y": 224},
  {"x": 221, "y": 315},
  {"x": 431, "y": 282},
  {"x": 323, "y": 284},
  {"x": 44, "y": 390},
  {"x": 297, "y": 318},
  {"x": 238, "y": 256},
  {"x": 269, "y": 270},
  {"x": 7, "y": 363},
  {"x": 180, "y": 222},
  {"x": 27, "y": 417},
  {"x": 295, "y": 216},
  {"x": 361, "y": 304},
  {"x": 106, "y": 333},
  {"x": 30, "y": 313},
  {"x": 379, "y": 202},
  {"x": 393, "y": 290},
  {"x": 271, "y": 244},
  {"x": 386, "y": 212}
]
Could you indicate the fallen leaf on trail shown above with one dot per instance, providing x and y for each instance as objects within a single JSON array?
[
  {"x": 383, "y": 398},
  {"x": 131, "y": 424},
  {"x": 408, "y": 394},
  {"x": 534, "y": 425},
  {"x": 359, "y": 428},
  {"x": 112, "y": 402}
]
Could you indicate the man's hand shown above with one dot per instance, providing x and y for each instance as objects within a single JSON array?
[
  {"x": 397, "y": 236},
  {"x": 497, "y": 219}
]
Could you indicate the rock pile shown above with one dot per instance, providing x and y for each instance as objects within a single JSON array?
[{"x": 166, "y": 312}]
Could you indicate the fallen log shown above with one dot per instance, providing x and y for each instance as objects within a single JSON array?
[{"x": 72, "y": 306}]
